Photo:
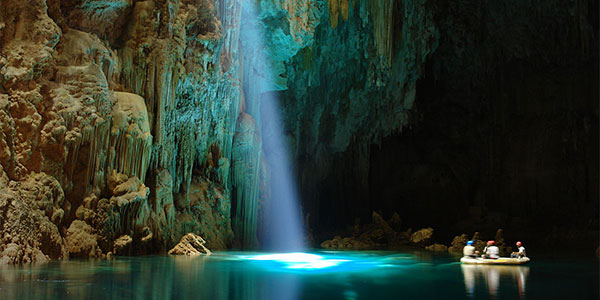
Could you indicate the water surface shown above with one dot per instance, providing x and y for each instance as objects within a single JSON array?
[{"x": 316, "y": 275}]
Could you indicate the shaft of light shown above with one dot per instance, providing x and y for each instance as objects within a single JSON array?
[{"x": 282, "y": 226}]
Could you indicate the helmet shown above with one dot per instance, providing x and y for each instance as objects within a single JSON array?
[
  {"x": 519, "y": 244},
  {"x": 490, "y": 243},
  {"x": 470, "y": 243}
]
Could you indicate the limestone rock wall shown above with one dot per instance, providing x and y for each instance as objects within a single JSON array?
[
  {"x": 352, "y": 85},
  {"x": 32, "y": 212},
  {"x": 343, "y": 72},
  {"x": 122, "y": 108}
]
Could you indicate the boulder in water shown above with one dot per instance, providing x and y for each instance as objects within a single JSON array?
[{"x": 190, "y": 245}]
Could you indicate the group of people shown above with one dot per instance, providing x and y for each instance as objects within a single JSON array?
[{"x": 491, "y": 251}]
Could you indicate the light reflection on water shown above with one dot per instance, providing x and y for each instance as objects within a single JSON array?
[
  {"x": 489, "y": 276},
  {"x": 317, "y": 275}
]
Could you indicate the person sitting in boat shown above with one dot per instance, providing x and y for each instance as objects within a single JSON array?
[
  {"x": 520, "y": 253},
  {"x": 469, "y": 250},
  {"x": 491, "y": 251},
  {"x": 485, "y": 249}
]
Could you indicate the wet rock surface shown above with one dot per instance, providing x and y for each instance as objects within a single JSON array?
[
  {"x": 458, "y": 243},
  {"x": 378, "y": 236},
  {"x": 437, "y": 248}
]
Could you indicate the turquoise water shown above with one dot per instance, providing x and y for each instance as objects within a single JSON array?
[{"x": 316, "y": 275}]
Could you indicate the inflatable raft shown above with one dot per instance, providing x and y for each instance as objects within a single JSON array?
[{"x": 499, "y": 261}]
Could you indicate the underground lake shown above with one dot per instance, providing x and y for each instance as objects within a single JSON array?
[{"x": 312, "y": 275}]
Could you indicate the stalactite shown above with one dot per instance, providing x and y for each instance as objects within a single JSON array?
[
  {"x": 130, "y": 138},
  {"x": 333, "y": 7},
  {"x": 382, "y": 12},
  {"x": 99, "y": 142},
  {"x": 246, "y": 175},
  {"x": 127, "y": 207}
]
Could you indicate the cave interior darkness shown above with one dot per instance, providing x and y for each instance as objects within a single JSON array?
[{"x": 496, "y": 139}]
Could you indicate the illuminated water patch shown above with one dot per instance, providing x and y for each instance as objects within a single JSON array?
[
  {"x": 326, "y": 262},
  {"x": 299, "y": 260}
]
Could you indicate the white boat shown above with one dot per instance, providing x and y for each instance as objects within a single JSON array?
[{"x": 498, "y": 261}]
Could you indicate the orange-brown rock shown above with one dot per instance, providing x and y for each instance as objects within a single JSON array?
[
  {"x": 31, "y": 212},
  {"x": 122, "y": 245},
  {"x": 81, "y": 240}
]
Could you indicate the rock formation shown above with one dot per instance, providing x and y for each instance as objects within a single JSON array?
[
  {"x": 380, "y": 235},
  {"x": 31, "y": 214},
  {"x": 422, "y": 237},
  {"x": 190, "y": 245},
  {"x": 122, "y": 245},
  {"x": 458, "y": 243},
  {"x": 114, "y": 110}
]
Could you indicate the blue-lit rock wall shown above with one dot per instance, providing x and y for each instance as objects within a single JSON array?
[
  {"x": 345, "y": 74},
  {"x": 353, "y": 86}
]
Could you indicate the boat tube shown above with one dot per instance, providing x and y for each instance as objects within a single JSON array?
[{"x": 498, "y": 261}]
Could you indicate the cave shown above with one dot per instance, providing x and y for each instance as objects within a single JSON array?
[{"x": 307, "y": 149}]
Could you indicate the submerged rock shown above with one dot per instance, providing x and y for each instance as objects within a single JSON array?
[{"x": 190, "y": 245}]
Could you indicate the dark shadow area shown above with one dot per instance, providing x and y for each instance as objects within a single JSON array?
[{"x": 505, "y": 133}]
